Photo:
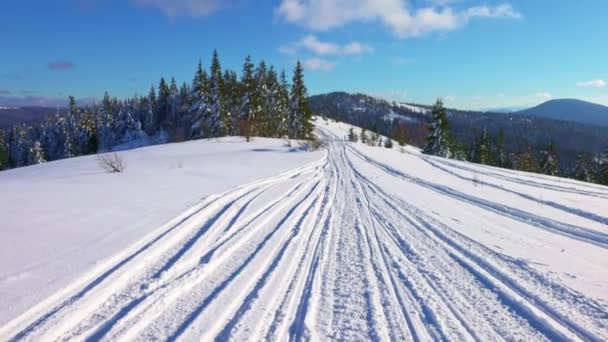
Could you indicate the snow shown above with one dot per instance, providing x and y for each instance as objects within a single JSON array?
[
  {"x": 61, "y": 218},
  {"x": 413, "y": 108},
  {"x": 355, "y": 243},
  {"x": 391, "y": 115}
]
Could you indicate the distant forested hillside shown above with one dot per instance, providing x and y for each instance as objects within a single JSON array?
[{"x": 521, "y": 132}]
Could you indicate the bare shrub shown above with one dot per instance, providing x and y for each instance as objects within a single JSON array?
[
  {"x": 475, "y": 179},
  {"x": 111, "y": 162}
]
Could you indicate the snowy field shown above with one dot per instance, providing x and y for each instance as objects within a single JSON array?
[
  {"x": 64, "y": 218},
  {"x": 353, "y": 243}
]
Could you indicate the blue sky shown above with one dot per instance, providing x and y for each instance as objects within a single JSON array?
[{"x": 473, "y": 54}]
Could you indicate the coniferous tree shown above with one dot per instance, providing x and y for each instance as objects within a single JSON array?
[
  {"x": 483, "y": 149},
  {"x": 163, "y": 103},
  {"x": 36, "y": 154},
  {"x": 501, "y": 157},
  {"x": 549, "y": 164},
  {"x": 300, "y": 114},
  {"x": 388, "y": 143},
  {"x": 363, "y": 136},
  {"x": 258, "y": 102},
  {"x": 583, "y": 170},
  {"x": 232, "y": 99},
  {"x": 217, "y": 122},
  {"x": 352, "y": 136},
  {"x": 603, "y": 167},
  {"x": 3, "y": 154},
  {"x": 437, "y": 142},
  {"x": 248, "y": 86},
  {"x": 283, "y": 106},
  {"x": 150, "y": 125},
  {"x": 272, "y": 104},
  {"x": 174, "y": 102}
]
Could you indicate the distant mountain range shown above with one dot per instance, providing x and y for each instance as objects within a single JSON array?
[
  {"x": 570, "y": 110},
  {"x": 520, "y": 129},
  {"x": 10, "y": 116}
]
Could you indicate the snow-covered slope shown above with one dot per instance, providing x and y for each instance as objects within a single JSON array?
[
  {"x": 62, "y": 218},
  {"x": 364, "y": 243}
]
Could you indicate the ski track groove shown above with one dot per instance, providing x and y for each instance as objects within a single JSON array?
[{"x": 332, "y": 256}]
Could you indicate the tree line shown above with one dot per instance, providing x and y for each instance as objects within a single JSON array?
[
  {"x": 261, "y": 102},
  {"x": 489, "y": 150}
]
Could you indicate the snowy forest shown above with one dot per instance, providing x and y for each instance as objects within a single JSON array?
[
  {"x": 261, "y": 102},
  {"x": 519, "y": 142},
  {"x": 489, "y": 151}
]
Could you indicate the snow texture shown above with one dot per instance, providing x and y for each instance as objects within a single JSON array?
[{"x": 355, "y": 243}]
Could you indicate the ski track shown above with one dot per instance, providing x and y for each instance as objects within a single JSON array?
[{"x": 324, "y": 252}]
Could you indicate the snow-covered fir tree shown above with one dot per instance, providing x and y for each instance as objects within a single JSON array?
[
  {"x": 437, "y": 142},
  {"x": 502, "y": 159},
  {"x": 282, "y": 104},
  {"x": 216, "y": 122},
  {"x": 483, "y": 153},
  {"x": 549, "y": 164},
  {"x": 260, "y": 101},
  {"x": 603, "y": 167},
  {"x": 583, "y": 170},
  {"x": 363, "y": 136},
  {"x": 352, "y": 136},
  {"x": 300, "y": 115},
  {"x": 248, "y": 87},
  {"x": 260, "y": 97},
  {"x": 36, "y": 155}
]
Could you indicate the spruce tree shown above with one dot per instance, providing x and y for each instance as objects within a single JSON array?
[
  {"x": 259, "y": 102},
  {"x": 300, "y": 115},
  {"x": 217, "y": 121},
  {"x": 3, "y": 152},
  {"x": 603, "y": 169},
  {"x": 549, "y": 164},
  {"x": 388, "y": 143},
  {"x": 501, "y": 156},
  {"x": 283, "y": 106},
  {"x": 248, "y": 86},
  {"x": 483, "y": 149},
  {"x": 437, "y": 142},
  {"x": 36, "y": 155},
  {"x": 163, "y": 103},
  {"x": 583, "y": 170},
  {"x": 352, "y": 136},
  {"x": 174, "y": 102},
  {"x": 363, "y": 136}
]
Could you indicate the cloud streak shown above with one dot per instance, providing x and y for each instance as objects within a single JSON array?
[
  {"x": 312, "y": 44},
  {"x": 318, "y": 64},
  {"x": 396, "y": 15},
  {"x": 593, "y": 83},
  {"x": 190, "y": 8},
  {"x": 60, "y": 65}
]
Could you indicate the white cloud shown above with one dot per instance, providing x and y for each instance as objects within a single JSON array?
[
  {"x": 192, "y": 8},
  {"x": 315, "y": 64},
  {"x": 356, "y": 48},
  {"x": 397, "y": 15},
  {"x": 313, "y": 44},
  {"x": 543, "y": 95},
  {"x": 449, "y": 98},
  {"x": 593, "y": 83}
]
